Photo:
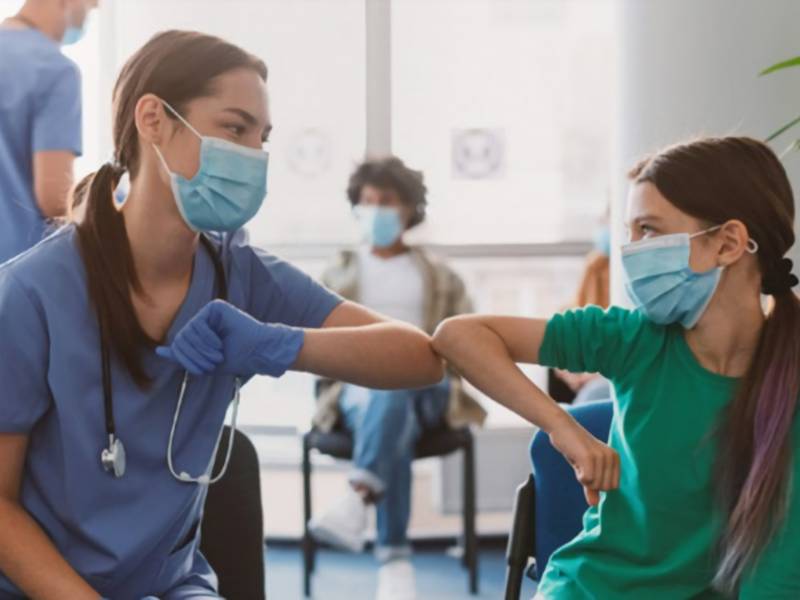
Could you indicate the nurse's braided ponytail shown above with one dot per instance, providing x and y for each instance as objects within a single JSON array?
[{"x": 158, "y": 68}]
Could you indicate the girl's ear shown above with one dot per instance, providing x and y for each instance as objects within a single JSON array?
[{"x": 734, "y": 237}]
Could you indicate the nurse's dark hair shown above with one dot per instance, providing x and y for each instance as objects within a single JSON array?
[
  {"x": 735, "y": 178},
  {"x": 176, "y": 66}
]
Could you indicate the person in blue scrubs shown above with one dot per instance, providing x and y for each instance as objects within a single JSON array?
[
  {"x": 40, "y": 118},
  {"x": 186, "y": 308}
]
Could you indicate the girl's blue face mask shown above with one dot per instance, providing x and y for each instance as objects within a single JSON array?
[
  {"x": 381, "y": 226},
  {"x": 661, "y": 283},
  {"x": 228, "y": 188}
]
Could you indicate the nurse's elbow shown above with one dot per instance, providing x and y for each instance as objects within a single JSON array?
[
  {"x": 52, "y": 181},
  {"x": 435, "y": 371},
  {"x": 51, "y": 200}
]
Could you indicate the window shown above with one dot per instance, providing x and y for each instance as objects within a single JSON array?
[{"x": 507, "y": 106}]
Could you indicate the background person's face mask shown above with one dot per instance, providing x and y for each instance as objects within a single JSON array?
[
  {"x": 229, "y": 187},
  {"x": 661, "y": 283},
  {"x": 74, "y": 33},
  {"x": 381, "y": 226},
  {"x": 601, "y": 240}
]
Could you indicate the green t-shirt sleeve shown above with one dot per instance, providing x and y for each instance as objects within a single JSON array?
[
  {"x": 591, "y": 340},
  {"x": 776, "y": 575}
]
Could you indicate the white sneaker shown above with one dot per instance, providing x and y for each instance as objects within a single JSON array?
[
  {"x": 396, "y": 581},
  {"x": 343, "y": 524}
]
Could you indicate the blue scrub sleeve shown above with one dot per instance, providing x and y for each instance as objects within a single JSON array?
[
  {"x": 24, "y": 395},
  {"x": 282, "y": 293},
  {"x": 57, "y": 114}
]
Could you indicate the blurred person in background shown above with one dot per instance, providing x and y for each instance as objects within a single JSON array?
[
  {"x": 593, "y": 290},
  {"x": 408, "y": 284},
  {"x": 40, "y": 118}
]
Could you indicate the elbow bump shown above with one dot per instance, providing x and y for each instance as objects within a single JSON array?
[{"x": 445, "y": 335}]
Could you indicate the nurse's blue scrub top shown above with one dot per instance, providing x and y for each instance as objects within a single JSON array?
[
  {"x": 40, "y": 110},
  {"x": 122, "y": 535}
]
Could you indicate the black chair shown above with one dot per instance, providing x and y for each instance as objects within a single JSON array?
[
  {"x": 440, "y": 442},
  {"x": 232, "y": 529}
]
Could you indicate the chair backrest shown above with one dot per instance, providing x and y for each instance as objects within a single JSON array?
[
  {"x": 560, "y": 502},
  {"x": 232, "y": 530}
]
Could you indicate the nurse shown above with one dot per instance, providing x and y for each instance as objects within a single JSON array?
[
  {"x": 40, "y": 118},
  {"x": 707, "y": 503},
  {"x": 107, "y": 446}
]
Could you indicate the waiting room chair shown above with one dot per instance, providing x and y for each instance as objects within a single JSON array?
[
  {"x": 232, "y": 528},
  {"x": 439, "y": 442},
  {"x": 549, "y": 507}
]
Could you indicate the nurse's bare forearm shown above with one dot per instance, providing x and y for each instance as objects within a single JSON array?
[
  {"x": 479, "y": 354},
  {"x": 30, "y": 560},
  {"x": 380, "y": 356}
]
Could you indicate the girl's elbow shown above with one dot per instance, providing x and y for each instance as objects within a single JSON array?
[{"x": 446, "y": 336}]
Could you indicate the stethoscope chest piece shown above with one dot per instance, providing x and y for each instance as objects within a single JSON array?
[{"x": 113, "y": 457}]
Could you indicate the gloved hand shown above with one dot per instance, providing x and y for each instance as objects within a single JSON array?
[{"x": 223, "y": 339}]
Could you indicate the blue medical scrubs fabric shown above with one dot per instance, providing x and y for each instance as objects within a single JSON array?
[
  {"x": 133, "y": 536},
  {"x": 40, "y": 110}
]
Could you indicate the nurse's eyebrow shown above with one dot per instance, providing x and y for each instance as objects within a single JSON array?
[{"x": 246, "y": 116}]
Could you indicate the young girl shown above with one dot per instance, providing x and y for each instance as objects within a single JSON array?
[
  {"x": 82, "y": 314},
  {"x": 707, "y": 504}
]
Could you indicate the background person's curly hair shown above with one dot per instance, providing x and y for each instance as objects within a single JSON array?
[{"x": 391, "y": 173}]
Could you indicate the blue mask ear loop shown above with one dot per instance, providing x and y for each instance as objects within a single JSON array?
[
  {"x": 752, "y": 245},
  {"x": 752, "y": 248},
  {"x": 182, "y": 120}
]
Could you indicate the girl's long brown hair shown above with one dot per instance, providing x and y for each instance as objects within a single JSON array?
[
  {"x": 716, "y": 180},
  {"x": 176, "y": 66}
]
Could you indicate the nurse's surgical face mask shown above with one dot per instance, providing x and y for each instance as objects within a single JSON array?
[
  {"x": 229, "y": 187},
  {"x": 381, "y": 226},
  {"x": 661, "y": 283}
]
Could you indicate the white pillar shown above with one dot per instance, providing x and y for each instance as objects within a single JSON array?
[{"x": 689, "y": 67}]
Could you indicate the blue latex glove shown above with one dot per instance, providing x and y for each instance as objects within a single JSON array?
[{"x": 223, "y": 339}]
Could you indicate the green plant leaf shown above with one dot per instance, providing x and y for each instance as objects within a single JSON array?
[
  {"x": 786, "y": 127},
  {"x": 793, "y": 147},
  {"x": 792, "y": 62}
]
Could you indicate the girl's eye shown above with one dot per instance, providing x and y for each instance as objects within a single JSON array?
[{"x": 236, "y": 130}]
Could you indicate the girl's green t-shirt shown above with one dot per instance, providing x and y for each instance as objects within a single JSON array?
[{"x": 655, "y": 537}]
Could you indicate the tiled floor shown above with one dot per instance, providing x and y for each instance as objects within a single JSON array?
[{"x": 341, "y": 576}]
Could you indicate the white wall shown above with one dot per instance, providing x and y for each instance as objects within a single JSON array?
[{"x": 689, "y": 67}]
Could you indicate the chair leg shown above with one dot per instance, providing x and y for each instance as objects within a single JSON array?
[
  {"x": 470, "y": 535},
  {"x": 520, "y": 540},
  {"x": 308, "y": 540}
]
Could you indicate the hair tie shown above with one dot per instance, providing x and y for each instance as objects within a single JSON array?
[
  {"x": 116, "y": 166},
  {"x": 779, "y": 279}
]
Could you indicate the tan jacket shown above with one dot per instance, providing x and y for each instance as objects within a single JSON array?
[{"x": 445, "y": 296}]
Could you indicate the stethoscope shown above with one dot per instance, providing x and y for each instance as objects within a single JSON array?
[{"x": 113, "y": 458}]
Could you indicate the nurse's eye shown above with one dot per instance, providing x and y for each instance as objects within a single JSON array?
[{"x": 236, "y": 130}]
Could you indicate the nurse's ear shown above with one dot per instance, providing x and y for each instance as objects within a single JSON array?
[
  {"x": 734, "y": 242},
  {"x": 152, "y": 123}
]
